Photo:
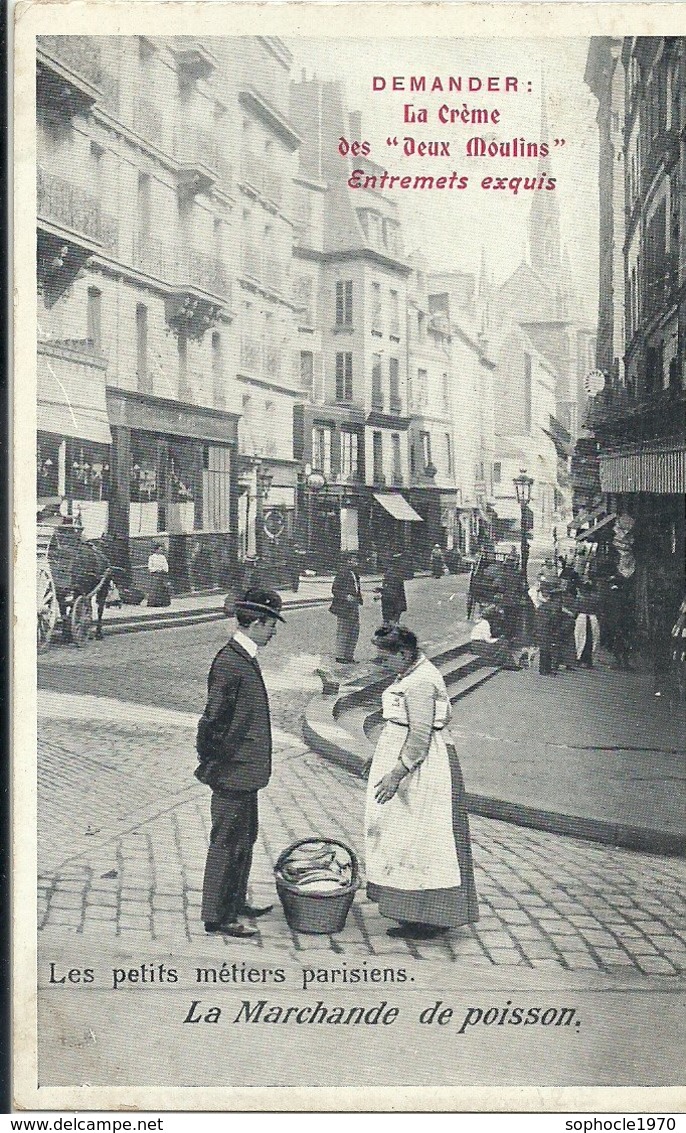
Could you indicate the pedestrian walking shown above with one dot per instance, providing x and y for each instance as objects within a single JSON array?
[
  {"x": 437, "y": 561},
  {"x": 158, "y": 572},
  {"x": 548, "y": 629},
  {"x": 418, "y": 850},
  {"x": 234, "y": 745},
  {"x": 392, "y": 592},
  {"x": 618, "y": 621},
  {"x": 347, "y": 599}
]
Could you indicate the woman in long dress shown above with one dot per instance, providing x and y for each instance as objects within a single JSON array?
[{"x": 418, "y": 851}]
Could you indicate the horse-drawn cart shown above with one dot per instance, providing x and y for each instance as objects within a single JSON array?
[{"x": 70, "y": 575}]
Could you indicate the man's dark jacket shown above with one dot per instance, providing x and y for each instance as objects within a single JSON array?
[
  {"x": 346, "y": 584},
  {"x": 234, "y": 741}
]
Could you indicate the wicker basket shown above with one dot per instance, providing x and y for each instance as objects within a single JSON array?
[{"x": 316, "y": 912}]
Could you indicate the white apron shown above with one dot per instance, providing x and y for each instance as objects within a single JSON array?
[{"x": 410, "y": 843}]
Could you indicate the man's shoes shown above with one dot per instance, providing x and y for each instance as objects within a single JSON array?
[
  {"x": 253, "y": 911},
  {"x": 233, "y": 929}
]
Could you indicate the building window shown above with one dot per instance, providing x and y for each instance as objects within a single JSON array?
[
  {"x": 422, "y": 387},
  {"x": 302, "y": 297},
  {"x": 344, "y": 377},
  {"x": 421, "y": 326},
  {"x": 448, "y": 454},
  {"x": 377, "y": 391},
  {"x": 397, "y": 466},
  {"x": 425, "y": 441},
  {"x": 307, "y": 371},
  {"x": 377, "y": 322},
  {"x": 94, "y": 318},
  {"x": 394, "y": 385},
  {"x": 218, "y": 370},
  {"x": 349, "y": 453},
  {"x": 344, "y": 303},
  {"x": 394, "y": 328},
  {"x": 497, "y": 472},
  {"x": 321, "y": 448},
  {"x": 377, "y": 456},
  {"x": 446, "y": 393},
  {"x": 413, "y": 459},
  {"x": 144, "y": 383}
]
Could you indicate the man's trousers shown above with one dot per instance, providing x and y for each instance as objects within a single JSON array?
[{"x": 233, "y": 835}]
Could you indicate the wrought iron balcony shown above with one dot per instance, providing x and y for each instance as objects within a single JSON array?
[
  {"x": 62, "y": 203},
  {"x": 204, "y": 273}
]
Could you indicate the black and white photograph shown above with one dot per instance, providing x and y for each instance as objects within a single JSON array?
[{"x": 349, "y": 758}]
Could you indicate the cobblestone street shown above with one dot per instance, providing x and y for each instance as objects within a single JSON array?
[{"x": 124, "y": 830}]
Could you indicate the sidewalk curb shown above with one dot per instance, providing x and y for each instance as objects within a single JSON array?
[
  {"x": 334, "y": 742},
  {"x": 175, "y": 618}
]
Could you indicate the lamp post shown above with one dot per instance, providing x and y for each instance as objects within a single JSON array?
[
  {"x": 314, "y": 482},
  {"x": 523, "y": 485}
]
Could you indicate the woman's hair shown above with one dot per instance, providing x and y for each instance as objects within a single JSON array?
[{"x": 397, "y": 639}]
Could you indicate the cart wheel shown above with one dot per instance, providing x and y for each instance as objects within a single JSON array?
[
  {"x": 46, "y": 608},
  {"x": 81, "y": 620}
]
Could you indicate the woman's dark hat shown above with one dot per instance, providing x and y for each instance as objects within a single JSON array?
[{"x": 258, "y": 601}]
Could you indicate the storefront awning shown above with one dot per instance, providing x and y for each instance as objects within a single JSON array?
[
  {"x": 71, "y": 397},
  {"x": 398, "y": 507},
  {"x": 601, "y": 525},
  {"x": 657, "y": 468}
]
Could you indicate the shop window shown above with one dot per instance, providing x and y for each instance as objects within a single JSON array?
[
  {"x": 321, "y": 449},
  {"x": 182, "y": 456},
  {"x": 48, "y": 466},
  {"x": 144, "y": 468},
  {"x": 87, "y": 470},
  {"x": 349, "y": 452}
]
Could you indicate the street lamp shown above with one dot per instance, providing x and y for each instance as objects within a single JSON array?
[
  {"x": 315, "y": 480},
  {"x": 523, "y": 485}
]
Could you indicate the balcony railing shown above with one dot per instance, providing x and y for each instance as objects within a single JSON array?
[
  {"x": 154, "y": 258},
  {"x": 72, "y": 207},
  {"x": 206, "y": 273},
  {"x": 188, "y": 268},
  {"x": 80, "y": 53}
]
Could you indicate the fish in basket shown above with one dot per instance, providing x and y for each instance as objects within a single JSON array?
[{"x": 316, "y": 880}]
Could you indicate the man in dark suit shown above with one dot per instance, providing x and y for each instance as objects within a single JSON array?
[
  {"x": 347, "y": 599},
  {"x": 234, "y": 747}
]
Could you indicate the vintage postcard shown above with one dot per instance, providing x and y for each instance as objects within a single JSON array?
[{"x": 350, "y": 366}]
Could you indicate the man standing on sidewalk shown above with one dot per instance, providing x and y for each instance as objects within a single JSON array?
[
  {"x": 234, "y": 745},
  {"x": 347, "y": 599}
]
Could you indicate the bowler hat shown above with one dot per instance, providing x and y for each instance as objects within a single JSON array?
[{"x": 259, "y": 601}]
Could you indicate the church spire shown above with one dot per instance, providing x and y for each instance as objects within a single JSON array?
[{"x": 544, "y": 218}]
